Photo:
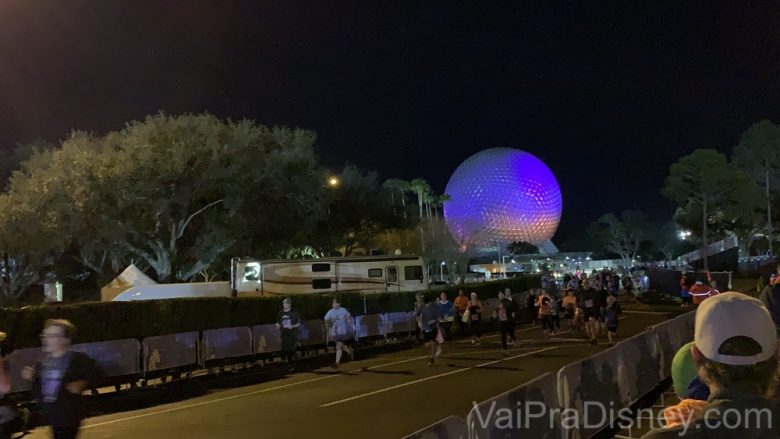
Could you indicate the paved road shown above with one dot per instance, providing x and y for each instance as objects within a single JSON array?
[{"x": 387, "y": 396}]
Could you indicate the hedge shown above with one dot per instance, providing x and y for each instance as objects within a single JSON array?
[{"x": 101, "y": 321}]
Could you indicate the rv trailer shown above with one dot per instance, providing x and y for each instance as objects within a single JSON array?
[{"x": 371, "y": 274}]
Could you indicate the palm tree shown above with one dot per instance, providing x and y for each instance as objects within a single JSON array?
[{"x": 402, "y": 186}]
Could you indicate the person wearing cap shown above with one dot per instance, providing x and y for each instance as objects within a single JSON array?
[
  {"x": 693, "y": 393},
  {"x": 288, "y": 322},
  {"x": 736, "y": 354},
  {"x": 338, "y": 321}
]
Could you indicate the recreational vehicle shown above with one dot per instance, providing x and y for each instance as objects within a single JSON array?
[{"x": 373, "y": 274}]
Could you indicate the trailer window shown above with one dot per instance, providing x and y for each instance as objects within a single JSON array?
[
  {"x": 374, "y": 272},
  {"x": 252, "y": 271},
  {"x": 320, "y": 267},
  {"x": 413, "y": 272},
  {"x": 320, "y": 284}
]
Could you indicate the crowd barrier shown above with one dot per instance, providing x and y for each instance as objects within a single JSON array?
[
  {"x": 117, "y": 358},
  {"x": 672, "y": 335},
  {"x": 370, "y": 326},
  {"x": 527, "y": 407},
  {"x": 221, "y": 344},
  {"x": 608, "y": 381},
  {"x": 453, "y": 427},
  {"x": 400, "y": 322},
  {"x": 173, "y": 351}
]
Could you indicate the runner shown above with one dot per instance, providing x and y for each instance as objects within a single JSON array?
[
  {"x": 461, "y": 304},
  {"x": 447, "y": 315},
  {"x": 569, "y": 308},
  {"x": 611, "y": 318},
  {"x": 513, "y": 308},
  {"x": 545, "y": 312},
  {"x": 288, "y": 322},
  {"x": 429, "y": 314},
  {"x": 338, "y": 320},
  {"x": 503, "y": 313},
  {"x": 589, "y": 299},
  {"x": 474, "y": 317}
]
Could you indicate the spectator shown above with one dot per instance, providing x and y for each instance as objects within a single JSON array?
[
  {"x": 474, "y": 317},
  {"x": 338, "y": 321},
  {"x": 447, "y": 315},
  {"x": 461, "y": 304},
  {"x": 8, "y": 412},
  {"x": 699, "y": 292},
  {"x": 776, "y": 279},
  {"x": 430, "y": 315},
  {"x": 589, "y": 300},
  {"x": 61, "y": 378},
  {"x": 735, "y": 351},
  {"x": 685, "y": 294},
  {"x": 611, "y": 312},
  {"x": 288, "y": 322},
  {"x": 685, "y": 377}
]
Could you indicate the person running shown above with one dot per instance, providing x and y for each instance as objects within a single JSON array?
[
  {"x": 461, "y": 305},
  {"x": 545, "y": 312},
  {"x": 447, "y": 315},
  {"x": 430, "y": 314},
  {"x": 611, "y": 318},
  {"x": 475, "y": 317},
  {"x": 530, "y": 305},
  {"x": 569, "y": 308},
  {"x": 512, "y": 307},
  {"x": 555, "y": 318},
  {"x": 589, "y": 299},
  {"x": 288, "y": 322},
  {"x": 60, "y": 379},
  {"x": 503, "y": 315},
  {"x": 603, "y": 295},
  {"x": 338, "y": 320}
]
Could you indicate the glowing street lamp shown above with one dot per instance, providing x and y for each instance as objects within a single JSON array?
[{"x": 333, "y": 181}]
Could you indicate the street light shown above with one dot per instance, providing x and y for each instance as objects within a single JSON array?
[
  {"x": 441, "y": 270},
  {"x": 503, "y": 263},
  {"x": 333, "y": 181}
]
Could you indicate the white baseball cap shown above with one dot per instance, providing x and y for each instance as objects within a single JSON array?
[{"x": 729, "y": 315}]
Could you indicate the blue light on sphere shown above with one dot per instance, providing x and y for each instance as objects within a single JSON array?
[{"x": 502, "y": 194}]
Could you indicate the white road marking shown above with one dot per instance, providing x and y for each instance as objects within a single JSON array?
[
  {"x": 387, "y": 389},
  {"x": 212, "y": 401}
]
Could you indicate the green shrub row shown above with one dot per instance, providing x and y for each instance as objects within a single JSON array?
[{"x": 100, "y": 321}]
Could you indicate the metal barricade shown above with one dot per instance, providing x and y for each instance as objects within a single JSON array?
[
  {"x": 642, "y": 358},
  {"x": 312, "y": 333},
  {"x": 453, "y": 427},
  {"x": 371, "y": 325},
  {"x": 672, "y": 335},
  {"x": 399, "y": 322},
  {"x": 589, "y": 387},
  {"x": 267, "y": 339},
  {"x": 117, "y": 358},
  {"x": 224, "y": 343},
  {"x": 16, "y": 361},
  {"x": 532, "y": 412},
  {"x": 170, "y": 351}
]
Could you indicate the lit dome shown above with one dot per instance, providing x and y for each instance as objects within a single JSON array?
[{"x": 502, "y": 194}]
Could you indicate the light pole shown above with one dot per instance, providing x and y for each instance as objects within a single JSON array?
[
  {"x": 441, "y": 271},
  {"x": 503, "y": 263}
]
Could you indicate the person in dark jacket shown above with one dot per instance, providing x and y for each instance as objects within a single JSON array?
[
  {"x": 60, "y": 379},
  {"x": 288, "y": 322}
]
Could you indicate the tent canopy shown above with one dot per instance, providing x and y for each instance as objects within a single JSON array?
[{"x": 131, "y": 277}]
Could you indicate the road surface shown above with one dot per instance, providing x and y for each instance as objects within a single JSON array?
[{"x": 387, "y": 396}]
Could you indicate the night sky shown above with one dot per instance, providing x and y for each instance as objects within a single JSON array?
[{"x": 607, "y": 94}]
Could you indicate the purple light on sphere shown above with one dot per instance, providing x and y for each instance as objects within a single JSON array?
[{"x": 502, "y": 194}]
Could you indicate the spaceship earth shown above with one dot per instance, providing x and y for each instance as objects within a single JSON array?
[{"x": 502, "y": 195}]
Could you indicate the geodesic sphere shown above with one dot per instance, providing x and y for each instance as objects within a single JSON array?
[{"x": 502, "y": 194}]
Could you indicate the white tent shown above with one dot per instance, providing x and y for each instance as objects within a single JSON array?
[{"x": 129, "y": 278}]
